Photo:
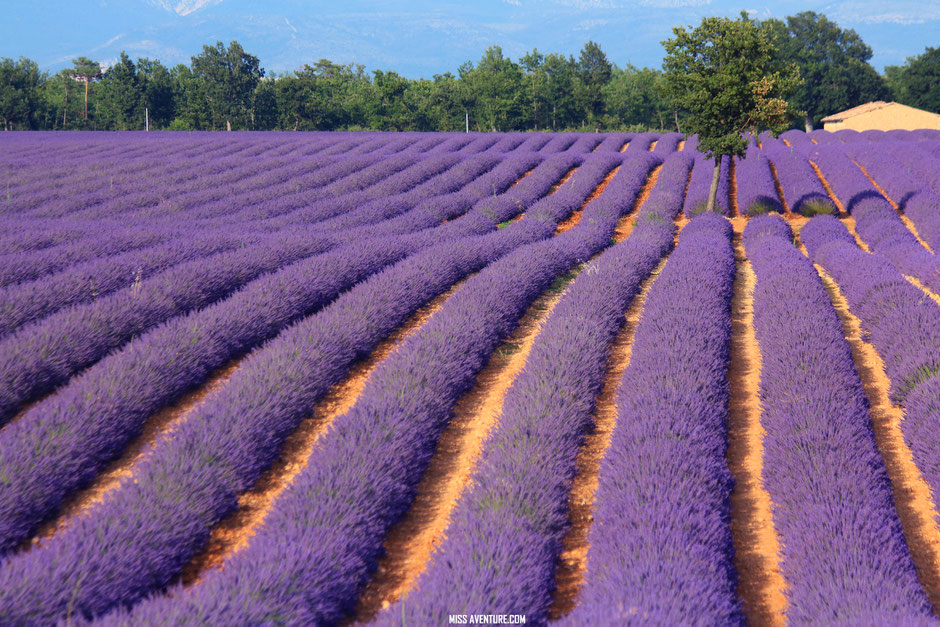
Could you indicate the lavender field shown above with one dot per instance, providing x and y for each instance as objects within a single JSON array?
[{"x": 322, "y": 378}]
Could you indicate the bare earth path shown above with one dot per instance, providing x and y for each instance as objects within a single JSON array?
[{"x": 756, "y": 547}]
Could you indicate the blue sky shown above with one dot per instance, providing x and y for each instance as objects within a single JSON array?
[{"x": 418, "y": 38}]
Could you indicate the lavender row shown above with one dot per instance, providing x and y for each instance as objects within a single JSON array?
[
  {"x": 918, "y": 202},
  {"x": 757, "y": 192},
  {"x": 42, "y": 355},
  {"x": 28, "y": 301},
  {"x": 211, "y": 189},
  {"x": 501, "y": 182},
  {"x": 213, "y": 183},
  {"x": 336, "y": 200},
  {"x": 667, "y": 196},
  {"x": 30, "y": 265},
  {"x": 642, "y": 141},
  {"x": 614, "y": 142},
  {"x": 96, "y": 426},
  {"x": 696, "y": 197},
  {"x": 919, "y": 161},
  {"x": 391, "y": 204},
  {"x": 37, "y": 359},
  {"x": 80, "y": 429},
  {"x": 102, "y": 192},
  {"x": 802, "y": 189},
  {"x": 367, "y": 466},
  {"x": 90, "y": 249},
  {"x": 391, "y": 176},
  {"x": 903, "y": 323},
  {"x": 844, "y": 555},
  {"x": 667, "y": 143},
  {"x": 660, "y": 542},
  {"x": 264, "y": 402},
  {"x": 877, "y": 222},
  {"x": 504, "y": 539}
]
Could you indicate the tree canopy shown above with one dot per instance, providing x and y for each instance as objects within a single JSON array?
[
  {"x": 224, "y": 86},
  {"x": 917, "y": 82},
  {"x": 723, "y": 74},
  {"x": 832, "y": 61}
]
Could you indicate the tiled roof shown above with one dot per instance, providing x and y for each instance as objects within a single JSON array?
[{"x": 848, "y": 113}]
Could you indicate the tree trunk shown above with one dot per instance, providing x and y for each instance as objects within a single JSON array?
[
  {"x": 713, "y": 190},
  {"x": 676, "y": 113},
  {"x": 65, "y": 109},
  {"x": 554, "y": 111},
  {"x": 86, "y": 99},
  {"x": 228, "y": 125},
  {"x": 809, "y": 122}
]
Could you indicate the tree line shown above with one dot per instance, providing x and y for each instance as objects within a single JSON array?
[{"x": 225, "y": 87}]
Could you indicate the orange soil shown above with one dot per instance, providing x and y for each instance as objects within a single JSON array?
[
  {"x": 626, "y": 223},
  {"x": 624, "y": 147},
  {"x": 929, "y": 292},
  {"x": 849, "y": 223},
  {"x": 652, "y": 145},
  {"x": 234, "y": 532},
  {"x": 875, "y": 185},
  {"x": 562, "y": 181},
  {"x": 907, "y": 221},
  {"x": 783, "y": 200},
  {"x": 680, "y": 222},
  {"x": 785, "y": 142},
  {"x": 756, "y": 547},
  {"x": 680, "y": 145},
  {"x": 813, "y": 140},
  {"x": 518, "y": 180},
  {"x": 575, "y": 217},
  {"x": 410, "y": 543},
  {"x": 912, "y": 499},
  {"x": 733, "y": 189},
  {"x": 572, "y": 565},
  {"x": 828, "y": 188},
  {"x": 158, "y": 427}
]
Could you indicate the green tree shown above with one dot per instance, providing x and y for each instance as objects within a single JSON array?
[
  {"x": 85, "y": 71},
  {"x": 120, "y": 96},
  {"x": 560, "y": 72},
  {"x": 832, "y": 61},
  {"x": 917, "y": 82},
  {"x": 265, "y": 105},
  {"x": 156, "y": 87},
  {"x": 494, "y": 87},
  {"x": 594, "y": 72},
  {"x": 228, "y": 78},
  {"x": 20, "y": 93},
  {"x": 192, "y": 106},
  {"x": 634, "y": 99},
  {"x": 723, "y": 75}
]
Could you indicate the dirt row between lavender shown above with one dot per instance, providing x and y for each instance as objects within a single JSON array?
[{"x": 756, "y": 546}]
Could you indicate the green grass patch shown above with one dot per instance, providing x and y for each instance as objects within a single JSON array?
[{"x": 817, "y": 207}]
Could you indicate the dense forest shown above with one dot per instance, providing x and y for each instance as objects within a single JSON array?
[{"x": 225, "y": 87}]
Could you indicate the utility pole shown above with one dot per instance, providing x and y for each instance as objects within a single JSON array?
[
  {"x": 146, "y": 119},
  {"x": 466, "y": 114}
]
